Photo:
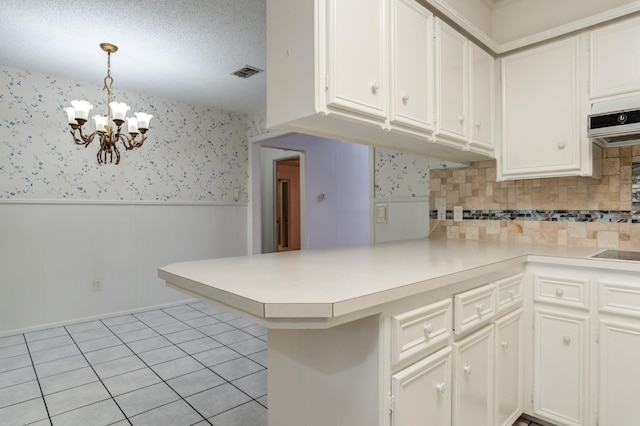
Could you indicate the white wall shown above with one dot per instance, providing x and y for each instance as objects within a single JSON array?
[
  {"x": 340, "y": 171},
  {"x": 66, "y": 220}
]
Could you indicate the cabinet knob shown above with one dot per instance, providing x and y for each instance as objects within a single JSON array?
[
  {"x": 428, "y": 329},
  {"x": 512, "y": 293},
  {"x": 461, "y": 118},
  {"x": 505, "y": 345},
  {"x": 375, "y": 86},
  {"x": 478, "y": 124},
  {"x": 405, "y": 98},
  {"x": 479, "y": 308},
  {"x": 559, "y": 292},
  {"x": 442, "y": 387},
  {"x": 467, "y": 369},
  {"x": 561, "y": 146},
  {"x": 566, "y": 339}
]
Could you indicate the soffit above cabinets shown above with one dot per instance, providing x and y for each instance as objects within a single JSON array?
[{"x": 506, "y": 25}]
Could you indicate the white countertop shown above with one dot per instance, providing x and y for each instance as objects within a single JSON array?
[{"x": 329, "y": 283}]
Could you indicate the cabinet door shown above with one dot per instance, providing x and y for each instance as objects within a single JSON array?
[
  {"x": 615, "y": 59},
  {"x": 509, "y": 368},
  {"x": 422, "y": 392},
  {"x": 356, "y": 56},
  {"x": 482, "y": 98},
  {"x": 541, "y": 112},
  {"x": 473, "y": 379},
  {"x": 411, "y": 65},
  {"x": 452, "y": 83},
  {"x": 619, "y": 370},
  {"x": 561, "y": 362}
]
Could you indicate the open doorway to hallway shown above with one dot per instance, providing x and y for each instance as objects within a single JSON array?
[
  {"x": 287, "y": 217},
  {"x": 335, "y": 191}
]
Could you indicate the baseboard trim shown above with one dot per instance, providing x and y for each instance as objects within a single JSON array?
[{"x": 94, "y": 318}]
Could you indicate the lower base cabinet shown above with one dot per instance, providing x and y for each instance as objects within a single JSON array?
[
  {"x": 619, "y": 371},
  {"x": 561, "y": 367},
  {"x": 509, "y": 368},
  {"x": 422, "y": 392},
  {"x": 473, "y": 379}
]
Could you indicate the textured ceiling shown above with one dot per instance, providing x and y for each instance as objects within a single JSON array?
[{"x": 183, "y": 49}]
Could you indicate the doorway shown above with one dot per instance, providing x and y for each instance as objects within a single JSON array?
[{"x": 287, "y": 202}]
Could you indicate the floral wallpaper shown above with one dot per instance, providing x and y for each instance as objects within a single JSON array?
[
  {"x": 404, "y": 175},
  {"x": 192, "y": 153}
]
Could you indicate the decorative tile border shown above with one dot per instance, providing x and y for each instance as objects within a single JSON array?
[{"x": 604, "y": 216}]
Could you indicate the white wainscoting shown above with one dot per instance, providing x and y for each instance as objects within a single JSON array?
[{"x": 50, "y": 254}]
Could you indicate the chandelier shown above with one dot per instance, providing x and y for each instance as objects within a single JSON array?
[{"x": 105, "y": 130}]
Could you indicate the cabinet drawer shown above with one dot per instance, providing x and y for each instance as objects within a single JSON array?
[
  {"x": 420, "y": 329},
  {"x": 509, "y": 292},
  {"x": 474, "y": 307},
  {"x": 619, "y": 298},
  {"x": 563, "y": 291}
]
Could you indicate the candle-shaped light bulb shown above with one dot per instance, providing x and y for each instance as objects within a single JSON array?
[
  {"x": 81, "y": 109},
  {"x": 101, "y": 122},
  {"x": 133, "y": 124},
  {"x": 71, "y": 114},
  {"x": 143, "y": 119},
  {"x": 119, "y": 110}
]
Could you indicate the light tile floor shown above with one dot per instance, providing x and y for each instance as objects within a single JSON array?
[{"x": 191, "y": 364}]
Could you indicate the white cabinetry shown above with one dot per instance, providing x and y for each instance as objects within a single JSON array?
[
  {"x": 561, "y": 366},
  {"x": 423, "y": 391},
  {"x": 411, "y": 69},
  {"x": 615, "y": 59},
  {"x": 619, "y": 330},
  {"x": 544, "y": 112},
  {"x": 561, "y": 346},
  {"x": 473, "y": 379},
  {"x": 356, "y": 56},
  {"x": 452, "y": 84},
  {"x": 464, "y": 91},
  {"x": 359, "y": 71},
  {"x": 508, "y": 369}
]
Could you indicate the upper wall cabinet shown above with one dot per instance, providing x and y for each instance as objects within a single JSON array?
[
  {"x": 544, "y": 113},
  {"x": 356, "y": 57},
  {"x": 465, "y": 91},
  {"x": 356, "y": 70},
  {"x": 615, "y": 59},
  {"x": 411, "y": 36}
]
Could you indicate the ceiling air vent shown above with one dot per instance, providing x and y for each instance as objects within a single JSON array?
[{"x": 246, "y": 71}]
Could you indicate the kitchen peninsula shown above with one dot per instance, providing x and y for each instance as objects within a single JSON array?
[{"x": 347, "y": 325}]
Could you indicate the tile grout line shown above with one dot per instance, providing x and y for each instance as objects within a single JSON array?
[
  {"x": 208, "y": 367},
  {"x": 98, "y": 376},
  {"x": 154, "y": 372},
  {"x": 35, "y": 372},
  {"x": 241, "y": 355}
]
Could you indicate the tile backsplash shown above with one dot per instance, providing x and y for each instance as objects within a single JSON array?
[{"x": 573, "y": 211}]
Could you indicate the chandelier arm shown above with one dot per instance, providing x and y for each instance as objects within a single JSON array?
[{"x": 80, "y": 138}]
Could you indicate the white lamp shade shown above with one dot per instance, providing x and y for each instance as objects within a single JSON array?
[
  {"x": 143, "y": 119},
  {"x": 71, "y": 114},
  {"x": 133, "y": 124},
  {"x": 101, "y": 122},
  {"x": 119, "y": 110},
  {"x": 81, "y": 109}
]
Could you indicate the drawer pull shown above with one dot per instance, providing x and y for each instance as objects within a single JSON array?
[
  {"x": 428, "y": 329},
  {"x": 375, "y": 86},
  {"x": 505, "y": 345},
  {"x": 566, "y": 339},
  {"x": 479, "y": 308},
  {"x": 442, "y": 387},
  {"x": 512, "y": 293},
  {"x": 461, "y": 118},
  {"x": 405, "y": 98},
  {"x": 467, "y": 369},
  {"x": 559, "y": 292}
]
